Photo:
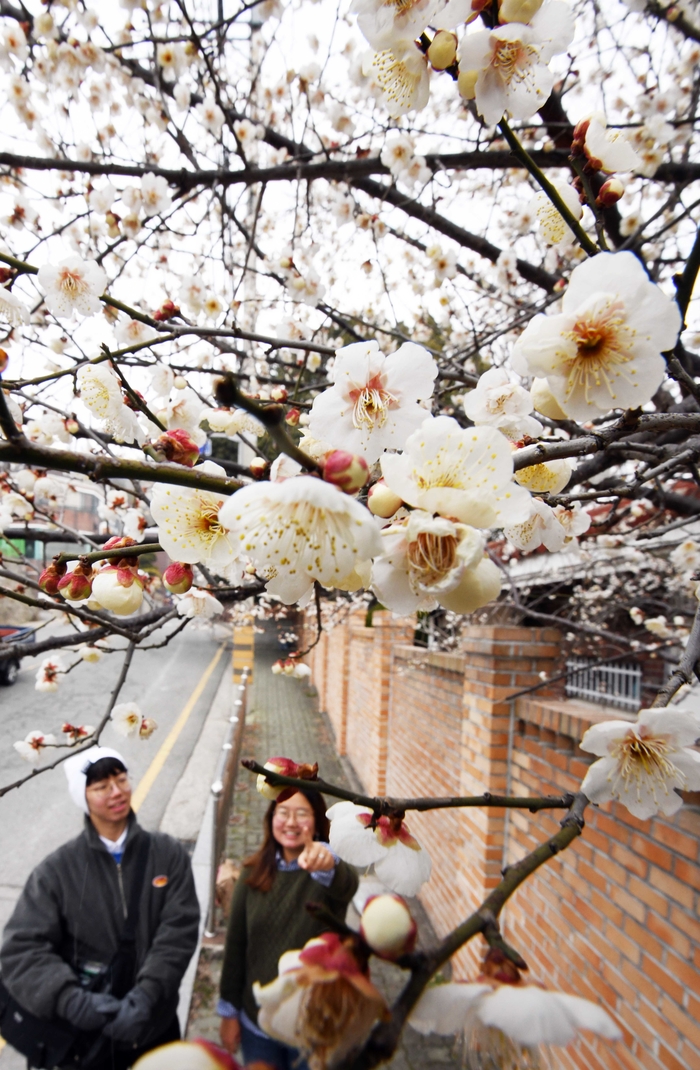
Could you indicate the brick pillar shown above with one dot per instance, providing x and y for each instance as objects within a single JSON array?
[
  {"x": 337, "y": 675},
  {"x": 499, "y": 661},
  {"x": 391, "y": 632}
]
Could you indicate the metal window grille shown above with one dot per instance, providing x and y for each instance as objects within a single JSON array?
[{"x": 611, "y": 685}]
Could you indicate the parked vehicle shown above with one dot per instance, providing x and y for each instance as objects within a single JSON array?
[{"x": 10, "y": 633}]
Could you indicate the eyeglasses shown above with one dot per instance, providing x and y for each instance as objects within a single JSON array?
[
  {"x": 303, "y": 817},
  {"x": 103, "y": 787}
]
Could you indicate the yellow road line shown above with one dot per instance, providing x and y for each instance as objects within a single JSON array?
[{"x": 149, "y": 778}]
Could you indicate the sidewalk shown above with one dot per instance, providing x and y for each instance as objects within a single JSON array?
[{"x": 283, "y": 720}]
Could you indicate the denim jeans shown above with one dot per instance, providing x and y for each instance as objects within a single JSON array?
[{"x": 267, "y": 1050}]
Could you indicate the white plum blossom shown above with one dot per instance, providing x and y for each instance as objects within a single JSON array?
[
  {"x": 199, "y": 603},
  {"x": 641, "y": 764},
  {"x": 234, "y": 422},
  {"x": 686, "y": 557},
  {"x": 510, "y": 62},
  {"x": 131, "y": 332},
  {"x": 155, "y": 194},
  {"x": 74, "y": 285},
  {"x": 499, "y": 402},
  {"x": 11, "y": 308},
  {"x": 553, "y": 227},
  {"x": 47, "y": 675},
  {"x": 400, "y": 863},
  {"x": 101, "y": 393},
  {"x": 126, "y": 718},
  {"x": 102, "y": 199},
  {"x": 185, "y": 412},
  {"x": 211, "y": 116},
  {"x": 383, "y": 24},
  {"x": 30, "y": 748},
  {"x": 189, "y": 525},
  {"x": 549, "y": 477},
  {"x": 465, "y": 474},
  {"x": 321, "y": 1002},
  {"x": 603, "y": 350},
  {"x": 402, "y": 75},
  {"x": 541, "y": 528},
  {"x": 298, "y": 531},
  {"x": 573, "y": 518},
  {"x": 424, "y": 559},
  {"x": 609, "y": 150},
  {"x": 373, "y": 403},
  {"x": 162, "y": 378},
  {"x": 526, "y": 1015}
]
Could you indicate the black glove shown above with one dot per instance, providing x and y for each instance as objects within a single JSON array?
[
  {"x": 86, "y": 1010},
  {"x": 133, "y": 1017}
]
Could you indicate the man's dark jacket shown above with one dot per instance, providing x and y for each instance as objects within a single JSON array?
[{"x": 68, "y": 920}]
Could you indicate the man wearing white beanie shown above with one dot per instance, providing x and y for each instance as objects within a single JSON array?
[{"x": 69, "y": 953}]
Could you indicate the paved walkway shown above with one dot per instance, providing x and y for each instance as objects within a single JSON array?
[{"x": 283, "y": 720}]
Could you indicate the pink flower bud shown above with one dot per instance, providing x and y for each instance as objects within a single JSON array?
[
  {"x": 381, "y": 501},
  {"x": 279, "y": 393},
  {"x": 387, "y": 926},
  {"x": 610, "y": 193},
  {"x": 50, "y": 578},
  {"x": 118, "y": 542},
  {"x": 175, "y": 446},
  {"x": 288, "y": 667},
  {"x": 285, "y": 767},
  {"x": 76, "y": 586},
  {"x": 147, "y": 728},
  {"x": 178, "y": 577},
  {"x": 72, "y": 426},
  {"x": 347, "y": 471},
  {"x": 292, "y": 417},
  {"x": 277, "y": 668}
]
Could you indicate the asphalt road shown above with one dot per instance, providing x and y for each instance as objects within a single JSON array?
[{"x": 40, "y": 816}]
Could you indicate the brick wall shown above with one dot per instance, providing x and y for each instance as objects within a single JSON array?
[{"x": 616, "y": 917}]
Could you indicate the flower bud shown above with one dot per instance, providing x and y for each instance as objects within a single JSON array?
[
  {"x": 279, "y": 393},
  {"x": 518, "y": 10},
  {"x": 258, "y": 466},
  {"x": 285, "y": 767},
  {"x": 175, "y": 446},
  {"x": 579, "y": 139},
  {"x": 610, "y": 193},
  {"x": 72, "y": 426},
  {"x": 387, "y": 926},
  {"x": 118, "y": 542},
  {"x": 301, "y": 671},
  {"x": 178, "y": 577},
  {"x": 288, "y": 667},
  {"x": 544, "y": 400},
  {"x": 4, "y": 360},
  {"x": 277, "y": 668},
  {"x": 477, "y": 7},
  {"x": 119, "y": 589},
  {"x": 292, "y": 417},
  {"x": 381, "y": 501},
  {"x": 76, "y": 586},
  {"x": 50, "y": 577},
  {"x": 166, "y": 311},
  {"x": 179, "y": 382},
  {"x": 442, "y": 51},
  {"x": 147, "y": 728},
  {"x": 466, "y": 84},
  {"x": 347, "y": 471}
]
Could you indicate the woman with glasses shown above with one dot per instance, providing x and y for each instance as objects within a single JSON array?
[{"x": 293, "y": 866}]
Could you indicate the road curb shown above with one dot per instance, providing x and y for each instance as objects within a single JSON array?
[{"x": 195, "y": 787}]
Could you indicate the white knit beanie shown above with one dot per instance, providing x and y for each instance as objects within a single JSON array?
[{"x": 76, "y": 771}]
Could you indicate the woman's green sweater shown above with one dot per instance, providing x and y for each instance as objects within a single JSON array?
[{"x": 263, "y": 925}]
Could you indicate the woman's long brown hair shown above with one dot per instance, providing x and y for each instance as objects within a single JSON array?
[{"x": 263, "y": 863}]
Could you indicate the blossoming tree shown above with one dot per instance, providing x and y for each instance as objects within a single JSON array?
[{"x": 360, "y": 305}]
